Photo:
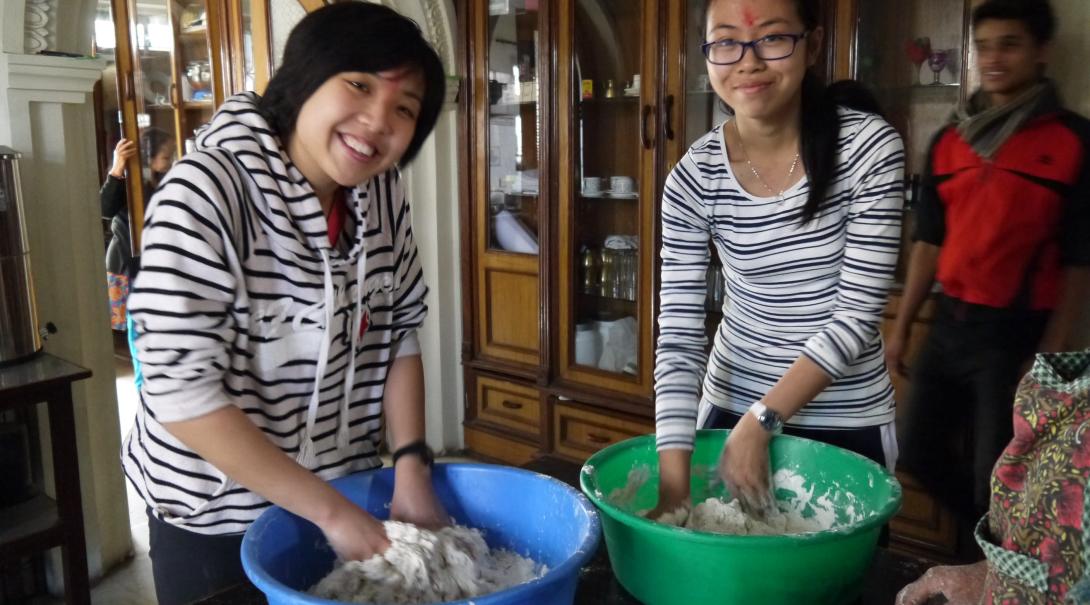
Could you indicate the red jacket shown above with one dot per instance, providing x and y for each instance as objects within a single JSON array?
[{"x": 1008, "y": 226}]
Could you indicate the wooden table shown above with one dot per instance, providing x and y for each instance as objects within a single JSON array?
[{"x": 42, "y": 523}]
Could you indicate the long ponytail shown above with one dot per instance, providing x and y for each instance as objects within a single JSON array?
[{"x": 820, "y": 130}]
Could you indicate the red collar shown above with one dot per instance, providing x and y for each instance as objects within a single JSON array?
[{"x": 337, "y": 213}]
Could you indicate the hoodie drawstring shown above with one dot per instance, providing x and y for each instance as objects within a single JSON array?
[
  {"x": 355, "y": 327},
  {"x": 307, "y": 455}
]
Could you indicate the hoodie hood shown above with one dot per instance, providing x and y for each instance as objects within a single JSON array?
[{"x": 297, "y": 223}]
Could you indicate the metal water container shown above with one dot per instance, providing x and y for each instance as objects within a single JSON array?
[{"x": 19, "y": 331}]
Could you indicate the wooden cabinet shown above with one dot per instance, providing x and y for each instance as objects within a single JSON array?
[
  {"x": 567, "y": 121},
  {"x": 575, "y": 112},
  {"x": 176, "y": 61}
]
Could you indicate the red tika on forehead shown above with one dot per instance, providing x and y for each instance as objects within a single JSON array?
[{"x": 749, "y": 16}]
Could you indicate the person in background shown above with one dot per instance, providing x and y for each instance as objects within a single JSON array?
[
  {"x": 801, "y": 194},
  {"x": 274, "y": 316},
  {"x": 158, "y": 155},
  {"x": 1003, "y": 225}
]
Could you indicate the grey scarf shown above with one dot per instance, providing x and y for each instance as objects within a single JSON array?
[{"x": 987, "y": 127}]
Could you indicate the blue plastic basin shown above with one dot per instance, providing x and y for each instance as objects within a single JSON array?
[{"x": 531, "y": 514}]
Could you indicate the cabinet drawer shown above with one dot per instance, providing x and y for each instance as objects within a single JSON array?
[
  {"x": 579, "y": 432},
  {"x": 922, "y": 524},
  {"x": 509, "y": 405},
  {"x": 499, "y": 447}
]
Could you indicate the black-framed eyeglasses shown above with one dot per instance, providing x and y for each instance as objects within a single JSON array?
[{"x": 728, "y": 51}]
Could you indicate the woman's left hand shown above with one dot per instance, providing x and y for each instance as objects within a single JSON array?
[
  {"x": 744, "y": 466},
  {"x": 414, "y": 496}
]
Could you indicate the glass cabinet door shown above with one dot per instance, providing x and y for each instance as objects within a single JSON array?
[
  {"x": 195, "y": 71},
  {"x": 702, "y": 111},
  {"x": 153, "y": 77},
  {"x": 912, "y": 55},
  {"x": 514, "y": 133},
  {"x": 610, "y": 113},
  {"x": 509, "y": 171}
]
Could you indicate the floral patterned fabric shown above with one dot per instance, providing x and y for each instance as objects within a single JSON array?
[
  {"x": 1037, "y": 530},
  {"x": 118, "y": 285}
]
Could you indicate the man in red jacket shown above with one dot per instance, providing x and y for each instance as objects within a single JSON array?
[{"x": 1003, "y": 225}]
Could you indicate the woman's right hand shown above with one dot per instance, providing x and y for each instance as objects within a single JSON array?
[
  {"x": 355, "y": 535},
  {"x": 124, "y": 150},
  {"x": 674, "y": 477}
]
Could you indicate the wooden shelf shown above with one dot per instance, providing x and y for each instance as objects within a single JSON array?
[
  {"x": 511, "y": 109},
  {"x": 619, "y": 99},
  {"x": 199, "y": 30},
  {"x": 29, "y": 527},
  {"x": 197, "y": 104}
]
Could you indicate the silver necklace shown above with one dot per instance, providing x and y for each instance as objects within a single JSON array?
[{"x": 753, "y": 169}]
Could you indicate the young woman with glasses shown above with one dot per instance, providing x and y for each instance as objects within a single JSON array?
[{"x": 800, "y": 192}]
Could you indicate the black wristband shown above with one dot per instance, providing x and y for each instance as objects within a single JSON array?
[{"x": 416, "y": 448}]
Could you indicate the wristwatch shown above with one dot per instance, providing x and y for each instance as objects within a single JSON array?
[
  {"x": 769, "y": 419},
  {"x": 417, "y": 448}
]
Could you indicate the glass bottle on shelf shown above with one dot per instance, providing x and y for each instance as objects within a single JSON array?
[{"x": 513, "y": 127}]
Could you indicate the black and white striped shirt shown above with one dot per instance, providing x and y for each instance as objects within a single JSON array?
[
  {"x": 239, "y": 295},
  {"x": 814, "y": 289}
]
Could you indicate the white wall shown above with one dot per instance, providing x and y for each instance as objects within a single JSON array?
[{"x": 46, "y": 113}]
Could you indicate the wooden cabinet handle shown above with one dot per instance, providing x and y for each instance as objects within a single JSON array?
[
  {"x": 645, "y": 130},
  {"x": 511, "y": 405},
  {"x": 669, "y": 119},
  {"x": 596, "y": 438}
]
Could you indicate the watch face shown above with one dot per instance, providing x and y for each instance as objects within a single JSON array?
[{"x": 770, "y": 420}]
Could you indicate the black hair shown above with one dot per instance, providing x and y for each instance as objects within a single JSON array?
[
  {"x": 820, "y": 122},
  {"x": 152, "y": 140},
  {"x": 352, "y": 36},
  {"x": 1036, "y": 15}
]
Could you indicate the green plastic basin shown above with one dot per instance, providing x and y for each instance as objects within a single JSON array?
[{"x": 663, "y": 565}]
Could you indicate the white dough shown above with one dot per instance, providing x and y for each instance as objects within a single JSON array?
[
  {"x": 799, "y": 513},
  {"x": 423, "y": 566},
  {"x": 717, "y": 516}
]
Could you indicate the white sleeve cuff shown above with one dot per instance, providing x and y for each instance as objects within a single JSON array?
[{"x": 408, "y": 345}]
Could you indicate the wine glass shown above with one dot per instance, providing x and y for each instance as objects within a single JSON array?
[
  {"x": 937, "y": 62},
  {"x": 918, "y": 51}
]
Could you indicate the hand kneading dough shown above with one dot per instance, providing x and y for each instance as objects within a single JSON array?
[{"x": 423, "y": 566}]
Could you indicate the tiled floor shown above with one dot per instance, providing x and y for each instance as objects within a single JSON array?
[{"x": 131, "y": 583}]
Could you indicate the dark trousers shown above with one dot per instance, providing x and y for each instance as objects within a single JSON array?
[
  {"x": 188, "y": 566},
  {"x": 959, "y": 417},
  {"x": 866, "y": 441}
]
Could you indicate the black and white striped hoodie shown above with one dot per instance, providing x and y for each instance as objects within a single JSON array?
[{"x": 241, "y": 300}]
